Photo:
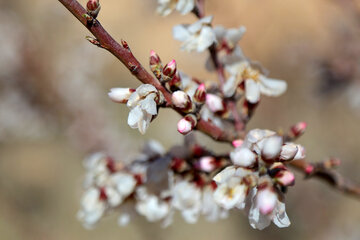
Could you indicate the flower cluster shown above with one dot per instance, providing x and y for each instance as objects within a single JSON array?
[
  {"x": 187, "y": 179},
  {"x": 257, "y": 172}
]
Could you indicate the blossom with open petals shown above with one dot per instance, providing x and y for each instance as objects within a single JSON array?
[
  {"x": 266, "y": 208},
  {"x": 195, "y": 37},
  {"x": 143, "y": 106},
  {"x": 255, "y": 82},
  {"x": 187, "y": 199},
  {"x": 165, "y": 7}
]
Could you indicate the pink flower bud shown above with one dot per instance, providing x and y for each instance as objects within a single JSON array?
[
  {"x": 169, "y": 71},
  {"x": 155, "y": 64},
  {"x": 200, "y": 94},
  {"x": 285, "y": 178},
  {"x": 186, "y": 124},
  {"x": 215, "y": 103},
  {"x": 266, "y": 200},
  {"x": 206, "y": 164},
  {"x": 93, "y": 7},
  {"x": 237, "y": 143},
  {"x": 309, "y": 169},
  {"x": 181, "y": 100},
  {"x": 120, "y": 95},
  {"x": 298, "y": 129}
]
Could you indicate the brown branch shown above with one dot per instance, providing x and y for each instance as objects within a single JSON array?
[
  {"x": 124, "y": 54},
  {"x": 326, "y": 173}
]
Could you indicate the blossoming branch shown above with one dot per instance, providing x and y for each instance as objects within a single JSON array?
[{"x": 190, "y": 178}]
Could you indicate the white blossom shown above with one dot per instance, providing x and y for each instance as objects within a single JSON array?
[
  {"x": 125, "y": 183},
  {"x": 143, "y": 106},
  {"x": 230, "y": 193},
  {"x": 187, "y": 199},
  {"x": 210, "y": 209},
  {"x": 92, "y": 207},
  {"x": 259, "y": 220},
  {"x": 165, "y": 7},
  {"x": 152, "y": 208},
  {"x": 195, "y": 37},
  {"x": 255, "y": 82}
]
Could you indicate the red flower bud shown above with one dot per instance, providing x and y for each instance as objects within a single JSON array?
[
  {"x": 93, "y": 7},
  {"x": 155, "y": 64},
  {"x": 200, "y": 94},
  {"x": 169, "y": 71}
]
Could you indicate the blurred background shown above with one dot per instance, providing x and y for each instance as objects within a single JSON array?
[{"x": 54, "y": 110}]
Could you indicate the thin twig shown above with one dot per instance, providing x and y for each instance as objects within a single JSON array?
[{"x": 335, "y": 179}]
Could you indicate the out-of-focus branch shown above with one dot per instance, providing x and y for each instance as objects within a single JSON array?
[
  {"x": 199, "y": 11},
  {"x": 124, "y": 54},
  {"x": 325, "y": 172}
]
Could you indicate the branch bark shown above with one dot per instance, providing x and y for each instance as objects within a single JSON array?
[{"x": 335, "y": 179}]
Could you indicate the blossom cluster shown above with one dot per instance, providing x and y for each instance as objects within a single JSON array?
[
  {"x": 194, "y": 181},
  {"x": 190, "y": 179}
]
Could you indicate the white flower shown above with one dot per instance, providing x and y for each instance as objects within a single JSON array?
[
  {"x": 230, "y": 36},
  {"x": 255, "y": 82},
  {"x": 92, "y": 207},
  {"x": 165, "y": 7},
  {"x": 243, "y": 157},
  {"x": 187, "y": 199},
  {"x": 230, "y": 193},
  {"x": 225, "y": 175},
  {"x": 143, "y": 104},
  {"x": 229, "y": 52},
  {"x": 152, "y": 208},
  {"x": 196, "y": 37},
  {"x": 210, "y": 209},
  {"x": 124, "y": 183},
  {"x": 97, "y": 172},
  {"x": 259, "y": 220}
]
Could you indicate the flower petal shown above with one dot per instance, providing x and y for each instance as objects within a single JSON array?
[
  {"x": 180, "y": 33},
  {"x": 252, "y": 91},
  {"x": 272, "y": 87},
  {"x": 135, "y": 115}
]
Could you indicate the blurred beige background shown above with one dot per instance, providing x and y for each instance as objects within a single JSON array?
[{"x": 54, "y": 110}]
